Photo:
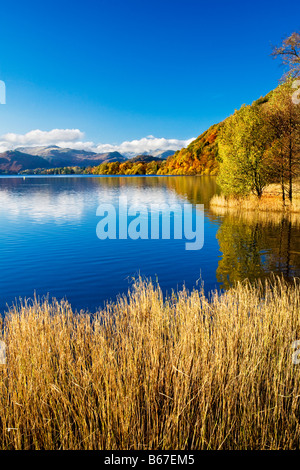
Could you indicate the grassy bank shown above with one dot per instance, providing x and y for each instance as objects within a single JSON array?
[
  {"x": 271, "y": 201},
  {"x": 151, "y": 374},
  {"x": 267, "y": 203}
]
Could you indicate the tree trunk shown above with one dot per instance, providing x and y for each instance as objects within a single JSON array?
[
  {"x": 282, "y": 188},
  {"x": 290, "y": 165}
]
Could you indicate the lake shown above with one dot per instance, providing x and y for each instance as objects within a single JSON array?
[{"x": 49, "y": 245}]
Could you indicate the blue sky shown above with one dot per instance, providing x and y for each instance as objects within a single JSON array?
[{"x": 123, "y": 70}]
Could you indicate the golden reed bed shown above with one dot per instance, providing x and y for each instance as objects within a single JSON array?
[
  {"x": 267, "y": 203},
  {"x": 146, "y": 373}
]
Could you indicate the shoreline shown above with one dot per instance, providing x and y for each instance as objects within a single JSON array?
[
  {"x": 267, "y": 203},
  {"x": 90, "y": 175}
]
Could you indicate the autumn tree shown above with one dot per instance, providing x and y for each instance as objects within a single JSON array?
[
  {"x": 282, "y": 116},
  {"x": 242, "y": 145}
]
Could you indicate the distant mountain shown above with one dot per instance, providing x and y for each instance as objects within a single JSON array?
[
  {"x": 13, "y": 161},
  {"x": 60, "y": 157},
  {"x": 163, "y": 155},
  {"x": 145, "y": 159},
  {"x": 159, "y": 153}
]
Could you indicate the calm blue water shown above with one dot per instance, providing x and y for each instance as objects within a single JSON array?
[{"x": 48, "y": 241}]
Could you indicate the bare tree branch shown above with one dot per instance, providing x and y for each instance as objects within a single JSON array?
[{"x": 289, "y": 52}]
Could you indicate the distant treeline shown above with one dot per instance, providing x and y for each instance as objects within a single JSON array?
[
  {"x": 164, "y": 167},
  {"x": 199, "y": 158},
  {"x": 111, "y": 168}
]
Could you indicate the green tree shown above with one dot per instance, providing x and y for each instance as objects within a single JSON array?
[{"x": 242, "y": 145}]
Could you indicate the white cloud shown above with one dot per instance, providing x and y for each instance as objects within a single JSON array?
[
  {"x": 145, "y": 145},
  {"x": 73, "y": 138},
  {"x": 38, "y": 137}
]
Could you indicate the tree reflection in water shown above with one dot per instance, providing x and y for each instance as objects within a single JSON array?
[{"x": 254, "y": 245}]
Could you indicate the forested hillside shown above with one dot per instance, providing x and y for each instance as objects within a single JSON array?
[{"x": 199, "y": 158}]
